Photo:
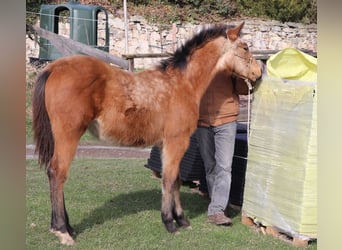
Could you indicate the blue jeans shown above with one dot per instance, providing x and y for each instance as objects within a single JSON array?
[{"x": 216, "y": 145}]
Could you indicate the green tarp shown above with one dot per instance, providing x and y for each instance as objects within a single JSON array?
[{"x": 281, "y": 177}]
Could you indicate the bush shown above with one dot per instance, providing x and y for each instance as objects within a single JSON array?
[
  {"x": 201, "y": 11},
  {"x": 283, "y": 10},
  {"x": 223, "y": 8}
]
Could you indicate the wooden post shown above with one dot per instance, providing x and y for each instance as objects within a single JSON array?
[
  {"x": 174, "y": 38},
  {"x": 131, "y": 64},
  {"x": 69, "y": 47}
]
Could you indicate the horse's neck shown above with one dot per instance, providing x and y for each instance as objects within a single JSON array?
[{"x": 203, "y": 67}]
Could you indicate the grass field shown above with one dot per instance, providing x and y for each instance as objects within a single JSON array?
[{"x": 115, "y": 204}]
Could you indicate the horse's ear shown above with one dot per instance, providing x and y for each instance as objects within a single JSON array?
[{"x": 234, "y": 33}]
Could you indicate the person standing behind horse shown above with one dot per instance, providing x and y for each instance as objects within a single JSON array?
[{"x": 215, "y": 134}]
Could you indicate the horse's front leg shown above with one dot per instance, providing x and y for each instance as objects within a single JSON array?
[
  {"x": 172, "y": 153},
  {"x": 177, "y": 212}
]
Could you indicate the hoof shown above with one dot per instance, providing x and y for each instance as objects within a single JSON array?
[
  {"x": 183, "y": 224},
  {"x": 176, "y": 233},
  {"x": 64, "y": 238},
  {"x": 181, "y": 221},
  {"x": 188, "y": 227},
  {"x": 171, "y": 228}
]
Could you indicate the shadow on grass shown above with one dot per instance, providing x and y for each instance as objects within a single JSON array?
[{"x": 134, "y": 202}]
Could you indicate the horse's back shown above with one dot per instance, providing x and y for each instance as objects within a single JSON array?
[
  {"x": 78, "y": 71},
  {"x": 124, "y": 106}
]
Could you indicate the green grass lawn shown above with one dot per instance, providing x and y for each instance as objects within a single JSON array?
[{"x": 115, "y": 204}]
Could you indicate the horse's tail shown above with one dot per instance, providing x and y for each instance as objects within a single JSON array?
[{"x": 43, "y": 136}]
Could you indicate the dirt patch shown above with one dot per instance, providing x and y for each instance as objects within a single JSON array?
[{"x": 98, "y": 151}]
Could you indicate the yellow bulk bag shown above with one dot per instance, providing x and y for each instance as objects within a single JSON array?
[
  {"x": 292, "y": 64},
  {"x": 281, "y": 177}
]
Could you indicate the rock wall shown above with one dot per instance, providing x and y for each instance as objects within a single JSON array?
[{"x": 151, "y": 38}]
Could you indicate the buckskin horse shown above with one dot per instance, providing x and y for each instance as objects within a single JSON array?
[{"x": 157, "y": 106}]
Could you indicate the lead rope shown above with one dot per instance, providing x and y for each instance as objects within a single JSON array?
[{"x": 250, "y": 87}]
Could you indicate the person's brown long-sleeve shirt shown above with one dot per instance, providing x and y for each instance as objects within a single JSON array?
[{"x": 220, "y": 103}]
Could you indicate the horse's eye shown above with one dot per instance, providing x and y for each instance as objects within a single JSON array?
[{"x": 244, "y": 46}]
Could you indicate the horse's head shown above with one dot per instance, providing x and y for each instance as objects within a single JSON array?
[{"x": 237, "y": 59}]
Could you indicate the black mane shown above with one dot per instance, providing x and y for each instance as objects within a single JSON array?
[{"x": 179, "y": 58}]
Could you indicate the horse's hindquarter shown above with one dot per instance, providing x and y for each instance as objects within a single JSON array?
[{"x": 74, "y": 90}]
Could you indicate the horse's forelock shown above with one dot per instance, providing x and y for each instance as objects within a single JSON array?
[{"x": 179, "y": 58}]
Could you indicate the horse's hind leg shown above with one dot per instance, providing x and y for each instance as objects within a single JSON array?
[
  {"x": 173, "y": 151},
  {"x": 65, "y": 148}
]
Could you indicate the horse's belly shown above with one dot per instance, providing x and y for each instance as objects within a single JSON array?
[{"x": 125, "y": 134}]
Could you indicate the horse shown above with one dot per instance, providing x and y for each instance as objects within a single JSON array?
[{"x": 156, "y": 106}]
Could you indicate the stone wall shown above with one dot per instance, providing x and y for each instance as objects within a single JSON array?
[{"x": 149, "y": 38}]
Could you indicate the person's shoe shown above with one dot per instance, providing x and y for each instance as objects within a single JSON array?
[{"x": 219, "y": 219}]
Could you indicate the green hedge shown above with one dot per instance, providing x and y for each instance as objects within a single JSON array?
[
  {"x": 203, "y": 11},
  {"x": 282, "y": 10}
]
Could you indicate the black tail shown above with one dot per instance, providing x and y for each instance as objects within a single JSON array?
[{"x": 41, "y": 123}]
